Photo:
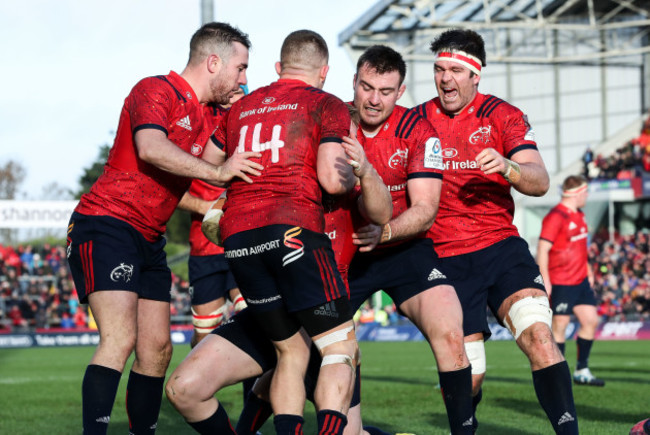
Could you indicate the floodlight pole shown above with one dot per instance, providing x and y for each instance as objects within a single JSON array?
[{"x": 207, "y": 11}]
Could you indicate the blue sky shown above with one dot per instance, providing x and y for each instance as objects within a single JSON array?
[{"x": 69, "y": 64}]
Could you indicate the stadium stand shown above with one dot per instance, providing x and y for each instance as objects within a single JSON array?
[{"x": 37, "y": 292}]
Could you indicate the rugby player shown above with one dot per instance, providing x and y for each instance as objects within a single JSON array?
[
  {"x": 115, "y": 235},
  {"x": 489, "y": 148},
  {"x": 562, "y": 258},
  {"x": 237, "y": 351},
  {"x": 211, "y": 281},
  {"x": 398, "y": 257},
  {"x": 273, "y": 233}
]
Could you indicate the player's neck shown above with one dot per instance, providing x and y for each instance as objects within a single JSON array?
[{"x": 569, "y": 204}]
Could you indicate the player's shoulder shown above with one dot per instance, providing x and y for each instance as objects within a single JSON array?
[
  {"x": 558, "y": 212},
  {"x": 488, "y": 106},
  {"x": 161, "y": 84},
  {"x": 410, "y": 122}
]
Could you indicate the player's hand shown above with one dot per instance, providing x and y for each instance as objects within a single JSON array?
[
  {"x": 239, "y": 165},
  {"x": 357, "y": 160},
  {"x": 210, "y": 225},
  {"x": 367, "y": 237},
  {"x": 491, "y": 162}
]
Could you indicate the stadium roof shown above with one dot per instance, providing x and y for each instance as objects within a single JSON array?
[{"x": 515, "y": 31}]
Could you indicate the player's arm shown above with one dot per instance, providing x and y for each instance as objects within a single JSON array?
[
  {"x": 194, "y": 204},
  {"x": 334, "y": 173},
  {"x": 154, "y": 148},
  {"x": 375, "y": 202},
  {"x": 543, "y": 249},
  {"x": 526, "y": 171},
  {"x": 424, "y": 198}
]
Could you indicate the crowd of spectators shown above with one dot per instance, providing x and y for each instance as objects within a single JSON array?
[
  {"x": 628, "y": 161},
  {"x": 37, "y": 291},
  {"x": 621, "y": 272}
]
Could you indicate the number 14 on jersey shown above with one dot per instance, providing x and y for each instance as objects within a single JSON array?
[{"x": 274, "y": 144}]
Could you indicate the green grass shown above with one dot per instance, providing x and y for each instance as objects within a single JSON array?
[{"x": 40, "y": 391}]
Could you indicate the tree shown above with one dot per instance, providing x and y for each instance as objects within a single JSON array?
[
  {"x": 12, "y": 175},
  {"x": 55, "y": 192},
  {"x": 92, "y": 173}
]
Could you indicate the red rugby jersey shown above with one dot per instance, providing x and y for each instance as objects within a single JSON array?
[
  {"x": 567, "y": 231},
  {"x": 476, "y": 210},
  {"x": 199, "y": 245},
  {"x": 406, "y": 147},
  {"x": 286, "y": 121},
  {"x": 341, "y": 217},
  {"x": 130, "y": 189}
]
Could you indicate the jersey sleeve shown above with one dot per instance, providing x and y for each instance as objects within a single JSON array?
[
  {"x": 335, "y": 120},
  {"x": 551, "y": 226},
  {"x": 517, "y": 132},
  {"x": 425, "y": 154},
  {"x": 150, "y": 105},
  {"x": 219, "y": 133}
]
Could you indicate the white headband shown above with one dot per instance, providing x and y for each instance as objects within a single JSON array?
[
  {"x": 575, "y": 190},
  {"x": 461, "y": 57}
]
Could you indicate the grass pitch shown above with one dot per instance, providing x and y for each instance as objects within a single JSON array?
[{"x": 40, "y": 391}]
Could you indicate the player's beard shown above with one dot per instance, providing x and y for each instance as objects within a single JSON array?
[{"x": 221, "y": 91}]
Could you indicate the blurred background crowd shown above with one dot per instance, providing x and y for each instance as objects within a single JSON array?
[{"x": 37, "y": 291}]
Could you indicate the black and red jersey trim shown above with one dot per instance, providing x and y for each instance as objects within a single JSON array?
[
  {"x": 179, "y": 94},
  {"x": 424, "y": 175},
  {"x": 406, "y": 124},
  {"x": 526, "y": 146},
  {"x": 153, "y": 126},
  {"x": 331, "y": 139},
  {"x": 488, "y": 106}
]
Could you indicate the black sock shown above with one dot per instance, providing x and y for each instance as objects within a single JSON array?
[
  {"x": 475, "y": 401},
  {"x": 584, "y": 349},
  {"x": 288, "y": 424},
  {"x": 561, "y": 346},
  {"x": 553, "y": 389},
  {"x": 256, "y": 411},
  {"x": 456, "y": 388},
  {"x": 98, "y": 391},
  {"x": 372, "y": 430},
  {"x": 216, "y": 423},
  {"x": 143, "y": 399},
  {"x": 247, "y": 387},
  {"x": 331, "y": 422}
]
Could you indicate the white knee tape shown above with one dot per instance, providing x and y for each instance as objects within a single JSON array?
[
  {"x": 337, "y": 359},
  {"x": 205, "y": 324},
  {"x": 526, "y": 312},
  {"x": 333, "y": 337},
  {"x": 476, "y": 354}
]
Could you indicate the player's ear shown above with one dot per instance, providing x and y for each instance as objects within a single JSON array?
[
  {"x": 278, "y": 67},
  {"x": 354, "y": 81},
  {"x": 400, "y": 91},
  {"x": 213, "y": 62},
  {"x": 323, "y": 73}
]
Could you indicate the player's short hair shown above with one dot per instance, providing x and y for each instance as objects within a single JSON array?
[
  {"x": 383, "y": 59},
  {"x": 355, "y": 116},
  {"x": 460, "y": 40},
  {"x": 304, "y": 49},
  {"x": 573, "y": 181},
  {"x": 215, "y": 38}
]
